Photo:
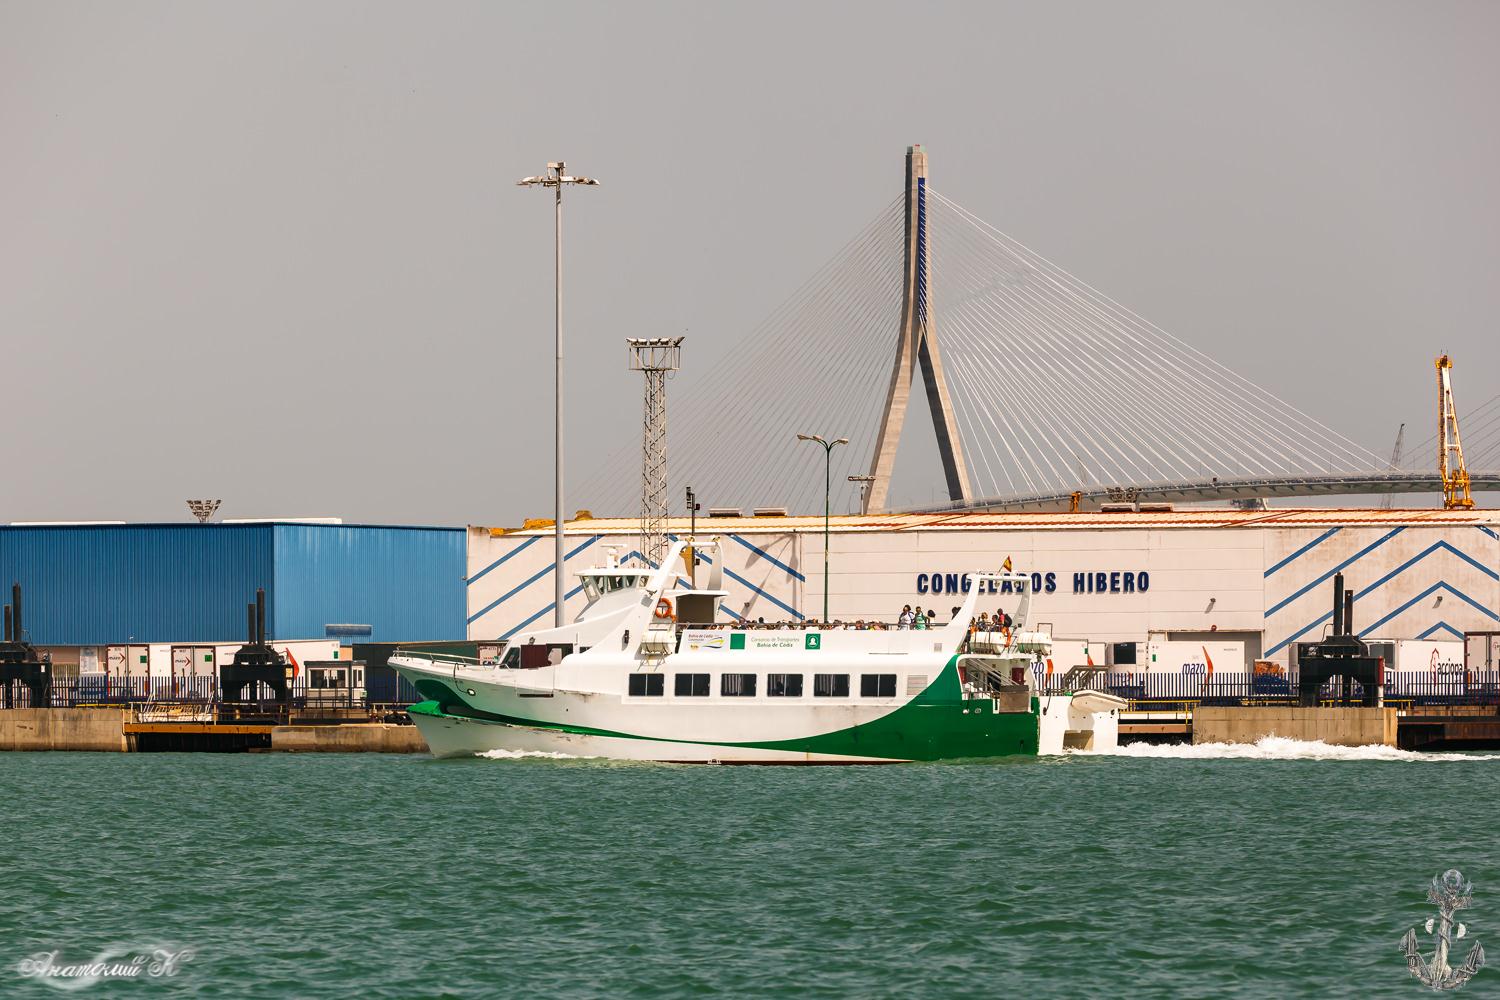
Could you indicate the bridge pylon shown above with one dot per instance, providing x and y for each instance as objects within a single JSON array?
[{"x": 916, "y": 346}]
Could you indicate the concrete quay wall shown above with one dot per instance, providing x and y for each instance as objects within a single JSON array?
[
  {"x": 64, "y": 729},
  {"x": 374, "y": 737},
  {"x": 1344, "y": 727},
  {"x": 104, "y": 729}
]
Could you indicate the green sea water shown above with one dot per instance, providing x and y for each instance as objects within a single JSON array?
[{"x": 1203, "y": 873}]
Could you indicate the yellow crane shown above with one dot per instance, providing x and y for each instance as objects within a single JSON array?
[{"x": 1451, "y": 468}]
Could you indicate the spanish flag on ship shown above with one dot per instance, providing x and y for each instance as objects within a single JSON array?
[{"x": 1007, "y": 566}]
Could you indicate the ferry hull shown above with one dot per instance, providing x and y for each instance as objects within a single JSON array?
[{"x": 453, "y": 736}]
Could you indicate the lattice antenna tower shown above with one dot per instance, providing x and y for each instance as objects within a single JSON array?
[
  {"x": 204, "y": 509},
  {"x": 1451, "y": 468},
  {"x": 654, "y": 357}
]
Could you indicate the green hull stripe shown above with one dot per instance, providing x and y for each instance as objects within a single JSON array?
[{"x": 938, "y": 724}]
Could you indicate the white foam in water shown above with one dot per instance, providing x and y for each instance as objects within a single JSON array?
[
  {"x": 521, "y": 754},
  {"x": 1280, "y": 748}
]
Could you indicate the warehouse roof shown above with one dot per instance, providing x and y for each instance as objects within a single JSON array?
[
  {"x": 987, "y": 521},
  {"x": 300, "y": 522}
]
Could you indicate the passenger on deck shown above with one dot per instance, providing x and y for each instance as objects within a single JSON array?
[
  {"x": 905, "y": 620},
  {"x": 919, "y": 620}
]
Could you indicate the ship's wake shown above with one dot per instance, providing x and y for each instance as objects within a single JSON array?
[
  {"x": 1281, "y": 748},
  {"x": 531, "y": 755}
]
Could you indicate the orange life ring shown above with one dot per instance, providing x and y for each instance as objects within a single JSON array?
[{"x": 663, "y": 609}]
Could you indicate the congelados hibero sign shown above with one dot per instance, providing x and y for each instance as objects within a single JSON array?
[{"x": 1097, "y": 582}]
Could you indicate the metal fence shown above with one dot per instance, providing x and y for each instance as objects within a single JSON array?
[
  {"x": 77, "y": 692},
  {"x": 1142, "y": 690},
  {"x": 1414, "y": 687}
]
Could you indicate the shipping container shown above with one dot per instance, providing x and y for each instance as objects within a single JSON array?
[
  {"x": 1195, "y": 658},
  {"x": 1070, "y": 653},
  {"x": 1437, "y": 657},
  {"x": 1482, "y": 650}
]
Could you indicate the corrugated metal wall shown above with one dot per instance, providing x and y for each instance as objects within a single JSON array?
[
  {"x": 406, "y": 583},
  {"x": 100, "y": 584},
  {"x": 97, "y": 584}
]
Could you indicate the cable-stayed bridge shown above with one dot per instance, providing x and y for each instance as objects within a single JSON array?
[{"x": 1044, "y": 393}]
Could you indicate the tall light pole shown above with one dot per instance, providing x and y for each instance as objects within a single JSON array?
[
  {"x": 828, "y": 447},
  {"x": 555, "y": 178}
]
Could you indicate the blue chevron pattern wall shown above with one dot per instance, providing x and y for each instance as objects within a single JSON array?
[{"x": 1409, "y": 581}]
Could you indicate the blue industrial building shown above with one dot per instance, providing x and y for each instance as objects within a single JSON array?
[{"x": 96, "y": 584}]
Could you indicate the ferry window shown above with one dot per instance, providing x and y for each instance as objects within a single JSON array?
[
  {"x": 877, "y": 685},
  {"x": 536, "y": 654},
  {"x": 512, "y": 658},
  {"x": 691, "y": 686},
  {"x": 784, "y": 685},
  {"x": 830, "y": 685},
  {"x": 737, "y": 685},
  {"x": 1124, "y": 653},
  {"x": 590, "y": 590},
  {"x": 647, "y": 685}
]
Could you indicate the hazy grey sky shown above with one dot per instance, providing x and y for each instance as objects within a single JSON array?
[{"x": 273, "y": 252}]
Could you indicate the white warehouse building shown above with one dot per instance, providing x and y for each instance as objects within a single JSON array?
[{"x": 1262, "y": 577}]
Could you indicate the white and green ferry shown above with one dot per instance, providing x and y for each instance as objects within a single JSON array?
[{"x": 649, "y": 672}]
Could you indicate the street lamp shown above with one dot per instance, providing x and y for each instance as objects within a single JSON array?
[
  {"x": 828, "y": 447},
  {"x": 555, "y": 178}
]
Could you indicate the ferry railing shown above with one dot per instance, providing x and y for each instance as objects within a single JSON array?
[{"x": 437, "y": 657}]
